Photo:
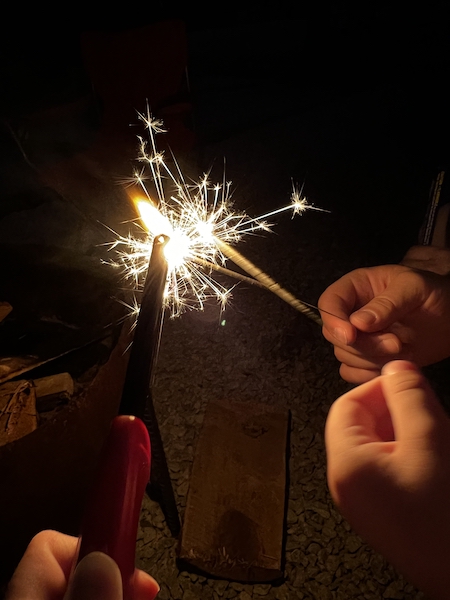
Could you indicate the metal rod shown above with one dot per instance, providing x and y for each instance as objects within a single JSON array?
[{"x": 433, "y": 205}]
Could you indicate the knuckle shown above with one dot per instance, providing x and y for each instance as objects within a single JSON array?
[
  {"x": 385, "y": 304},
  {"x": 406, "y": 381}
]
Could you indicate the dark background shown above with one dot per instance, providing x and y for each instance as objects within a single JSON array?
[{"x": 377, "y": 74}]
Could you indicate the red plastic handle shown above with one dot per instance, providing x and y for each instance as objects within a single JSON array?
[{"x": 111, "y": 517}]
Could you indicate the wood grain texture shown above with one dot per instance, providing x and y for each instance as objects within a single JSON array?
[{"x": 233, "y": 525}]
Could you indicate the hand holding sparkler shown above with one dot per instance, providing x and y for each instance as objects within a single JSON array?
[{"x": 386, "y": 312}]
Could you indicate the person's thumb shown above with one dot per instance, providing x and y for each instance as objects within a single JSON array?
[
  {"x": 416, "y": 413},
  {"x": 399, "y": 298},
  {"x": 96, "y": 576}
]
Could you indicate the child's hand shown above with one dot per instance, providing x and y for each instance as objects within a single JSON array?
[
  {"x": 44, "y": 571},
  {"x": 388, "y": 449}
]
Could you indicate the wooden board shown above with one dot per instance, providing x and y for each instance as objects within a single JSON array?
[
  {"x": 18, "y": 415},
  {"x": 234, "y": 518}
]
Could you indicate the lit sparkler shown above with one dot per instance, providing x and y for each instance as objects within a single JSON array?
[{"x": 202, "y": 227}]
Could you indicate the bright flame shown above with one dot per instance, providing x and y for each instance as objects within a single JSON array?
[
  {"x": 177, "y": 248},
  {"x": 194, "y": 216},
  {"x": 153, "y": 220}
]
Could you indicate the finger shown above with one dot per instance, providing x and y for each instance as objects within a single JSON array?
[
  {"x": 344, "y": 296},
  {"x": 336, "y": 326},
  {"x": 374, "y": 347},
  {"x": 352, "y": 431},
  {"x": 357, "y": 376},
  {"x": 96, "y": 576},
  {"x": 417, "y": 415},
  {"x": 365, "y": 359},
  {"x": 145, "y": 587},
  {"x": 45, "y": 567},
  {"x": 356, "y": 361},
  {"x": 402, "y": 295},
  {"x": 358, "y": 417},
  {"x": 357, "y": 368},
  {"x": 336, "y": 304}
]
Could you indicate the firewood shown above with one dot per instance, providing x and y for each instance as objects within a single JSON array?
[
  {"x": 233, "y": 524},
  {"x": 54, "y": 389},
  {"x": 18, "y": 415},
  {"x": 50, "y": 391}
]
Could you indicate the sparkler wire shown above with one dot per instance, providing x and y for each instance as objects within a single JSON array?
[{"x": 266, "y": 280}]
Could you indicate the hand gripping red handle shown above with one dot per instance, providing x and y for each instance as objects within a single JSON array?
[{"x": 111, "y": 517}]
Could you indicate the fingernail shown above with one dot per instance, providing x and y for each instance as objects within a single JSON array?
[
  {"x": 341, "y": 335},
  {"x": 96, "y": 576},
  {"x": 366, "y": 317},
  {"x": 397, "y": 366},
  {"x": 389, "y": 346}
]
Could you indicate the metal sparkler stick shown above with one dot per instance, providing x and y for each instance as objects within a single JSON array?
[
  {"x": 435, "y": 194},
  {"x": 253, "y": 281},
  {"x": 137, "y": 390},
  {"x": 266, "y": 280}
]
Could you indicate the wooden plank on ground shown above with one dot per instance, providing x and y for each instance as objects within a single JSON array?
[{"x": 234, "y": 518}]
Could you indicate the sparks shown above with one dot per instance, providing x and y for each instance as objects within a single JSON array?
[{"x": 196, "y": 216}]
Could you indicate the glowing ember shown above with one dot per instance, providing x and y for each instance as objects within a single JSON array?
[{"x": 196, "y": 217}]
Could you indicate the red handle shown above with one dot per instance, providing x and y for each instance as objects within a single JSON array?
[{"x": 111, "y": 518}]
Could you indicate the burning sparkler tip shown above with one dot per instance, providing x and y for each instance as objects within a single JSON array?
[{"x": 191, "y": 221}]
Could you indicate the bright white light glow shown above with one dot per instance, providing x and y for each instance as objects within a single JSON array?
[{"x": 194, "y": 216}]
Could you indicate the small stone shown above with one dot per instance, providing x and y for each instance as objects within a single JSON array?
[
  {"x": 176, "y": 590},
  {"x": 282, "y": 593},
  {"x": 300, "y": 578},
  {"x": 293, "y": 543},
  {"x": 353, "y": 543},
  {"x": 261, "y": 589},
  {"x": 313, "y": 548},
  {"x": 220, "y": 586},
  {"x": 164, "y": 593},
  {"x": 291, "y": 517},
  {"x": 394, "y": 591}
]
